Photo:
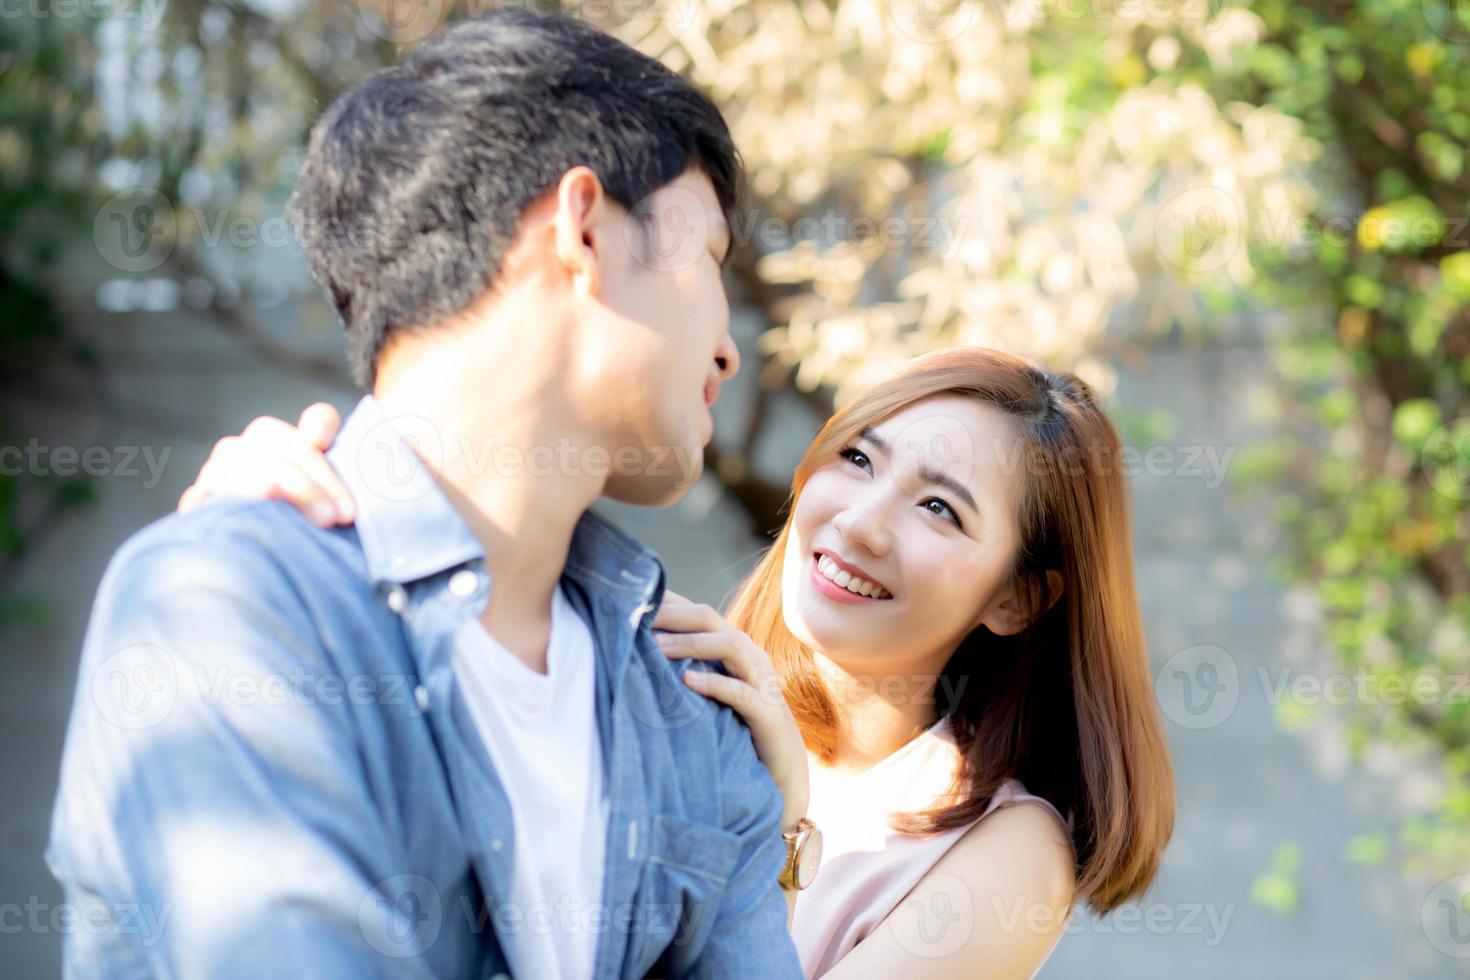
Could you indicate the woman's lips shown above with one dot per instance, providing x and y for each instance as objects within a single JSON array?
[{"x": 835, "y": 592}]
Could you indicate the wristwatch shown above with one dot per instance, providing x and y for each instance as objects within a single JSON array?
[{"x": 803, "y": 855}]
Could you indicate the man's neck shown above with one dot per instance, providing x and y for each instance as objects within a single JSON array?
[{"x": 502, "y": 462}]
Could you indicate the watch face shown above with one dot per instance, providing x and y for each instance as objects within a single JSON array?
[{"x": 809, "y": 858}]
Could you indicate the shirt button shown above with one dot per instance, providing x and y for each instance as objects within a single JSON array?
[
  {"x": 463, "y": 583},
  {"x": 496, "y": 844},
  {"x": 397, "y": 598},
  {"x": 421, "y": 697}
]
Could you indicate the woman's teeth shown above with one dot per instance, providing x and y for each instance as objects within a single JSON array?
[{"x": 848, "y": 581}]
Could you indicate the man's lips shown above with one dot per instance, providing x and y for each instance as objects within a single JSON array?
[{"x": 711, "y": 392}]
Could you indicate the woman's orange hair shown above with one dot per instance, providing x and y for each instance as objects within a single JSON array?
[{"x": 1067, "y": 705}]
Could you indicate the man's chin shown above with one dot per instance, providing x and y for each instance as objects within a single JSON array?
[{"x": 661, "y": 484}]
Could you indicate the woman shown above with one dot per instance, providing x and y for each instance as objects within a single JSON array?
[{"x": 940, "y": 660}]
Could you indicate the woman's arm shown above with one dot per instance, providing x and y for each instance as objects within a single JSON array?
[
  {"x": 274, "y": 459},
  {"x": 751, "y": 688},
  {"x": 993, "y": 906}
]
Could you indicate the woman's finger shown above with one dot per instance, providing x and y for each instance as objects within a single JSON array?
[
  {"x": 709, "y": 646},
  {"x": 192, "y": 498},
  {"x": 329, "y": 493},
  {"x": 296, "y": 464},
  {"x": 727, "y": 690},
  {"x": 320, "y": 423},
  {"x": 294, "y": 486},
  {"x": 689, "y": 617}
]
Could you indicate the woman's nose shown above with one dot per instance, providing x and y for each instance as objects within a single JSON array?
[{"x": 865, "y": 524}]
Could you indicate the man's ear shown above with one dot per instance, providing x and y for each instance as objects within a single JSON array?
[
  {"x": 579, "y": 204},
  {"x": 1018, "y": 606}
]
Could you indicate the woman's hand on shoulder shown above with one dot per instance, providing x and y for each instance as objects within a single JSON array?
[
  {"x": 752, "y": 688},
  {"x": 272, "y": 459}
]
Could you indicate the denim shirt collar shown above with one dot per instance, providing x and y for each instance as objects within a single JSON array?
[{"x": 410, "y": 531}]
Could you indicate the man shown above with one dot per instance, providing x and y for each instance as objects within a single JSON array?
[{"x": 441, "y": 742}]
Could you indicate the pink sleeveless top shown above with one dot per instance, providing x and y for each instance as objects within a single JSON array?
[{"x": 867, "y": 867}]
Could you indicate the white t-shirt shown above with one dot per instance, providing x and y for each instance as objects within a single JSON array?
[{"x": 541, "y": 733}]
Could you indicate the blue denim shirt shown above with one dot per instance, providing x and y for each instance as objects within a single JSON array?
[{"x": 270, "y": 771}]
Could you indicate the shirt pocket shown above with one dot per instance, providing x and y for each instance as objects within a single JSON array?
[{"x": 688, "y": 864}]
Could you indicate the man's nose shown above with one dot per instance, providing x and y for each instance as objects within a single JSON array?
[{"x": 727, "y": 358}]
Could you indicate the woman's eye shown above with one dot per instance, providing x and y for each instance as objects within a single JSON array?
[
  {"x": 939, "y": 508},
  {"x": 856, "y": 457}
]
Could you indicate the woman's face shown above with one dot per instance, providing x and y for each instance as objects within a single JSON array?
[{"x": 902, "y": 544}]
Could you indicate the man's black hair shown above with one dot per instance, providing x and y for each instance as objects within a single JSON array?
[{"x": 416, "y": 179}]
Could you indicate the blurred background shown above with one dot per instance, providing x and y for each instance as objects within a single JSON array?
[{"x": 1247, "y": 223}]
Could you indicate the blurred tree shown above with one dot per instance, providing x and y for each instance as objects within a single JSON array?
[
  {"x": 1380, "y": 363},
  {"x": 45, "y": 132}
]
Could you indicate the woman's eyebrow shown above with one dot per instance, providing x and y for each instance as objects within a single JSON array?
[
  {"x": 940, "y": 478},
  {"x": 872, "y": 437},
  {"x": 927, "y": 473}
]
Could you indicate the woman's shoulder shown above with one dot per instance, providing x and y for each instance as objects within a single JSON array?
[{"x": 1022, "y": 844}]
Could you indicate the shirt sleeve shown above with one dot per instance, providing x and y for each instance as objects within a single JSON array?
[
  {"x": 212, "y": 817},
  {"x": 749, "y": 937}
]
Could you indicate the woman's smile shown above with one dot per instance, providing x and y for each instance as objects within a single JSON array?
[{"x": 842, "y": 582}]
